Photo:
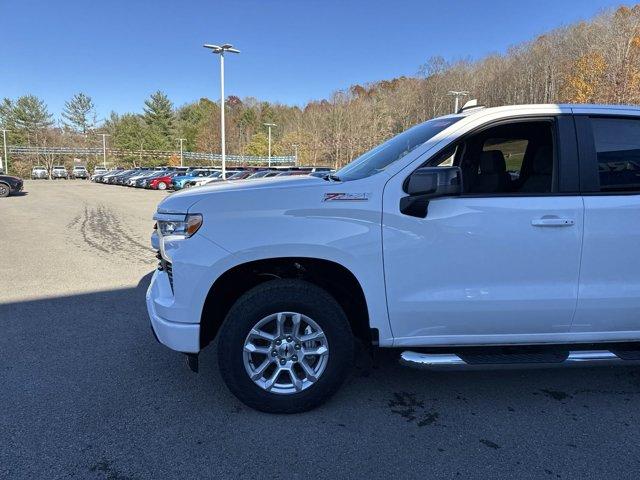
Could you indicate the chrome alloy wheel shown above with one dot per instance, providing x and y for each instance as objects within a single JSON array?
[{"x": 285, "y": 353}]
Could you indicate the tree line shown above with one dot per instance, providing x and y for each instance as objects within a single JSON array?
[{"x": 594, "y": 61}]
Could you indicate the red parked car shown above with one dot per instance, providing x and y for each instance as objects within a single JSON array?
[{"x": 161, "y": 183}]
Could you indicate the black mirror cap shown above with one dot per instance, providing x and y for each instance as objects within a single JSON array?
[{"x": 434, "y": 182}]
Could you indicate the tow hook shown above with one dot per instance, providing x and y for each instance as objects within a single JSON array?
[{"x": 192, "y": 361}]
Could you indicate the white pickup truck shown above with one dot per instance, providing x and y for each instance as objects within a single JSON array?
[{"x": 500, "y": 236}]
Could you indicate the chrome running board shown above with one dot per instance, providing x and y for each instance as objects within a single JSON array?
[{"x": 451, "y": 361}]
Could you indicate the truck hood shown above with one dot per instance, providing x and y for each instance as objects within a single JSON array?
[{"x": 182, "y": 201}]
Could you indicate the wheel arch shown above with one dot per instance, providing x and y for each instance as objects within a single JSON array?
[{"x": 335, "y": 278}]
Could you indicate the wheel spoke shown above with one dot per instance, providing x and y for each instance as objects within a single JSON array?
[
  {"x": 319, "y": 351},
  {"x": 312, "y": 336},
  {"x": 311, "y": 375},
  {"x": 251, "y": 348},
  {"x": 280, "y": 324},
  {"x": 268, "y": 384},
  {"x": 296, "y": 325},
  {"x": 260, "y": 370},
  {"x": 263, "y": 335},
  {"x": 297, "y": 383}
]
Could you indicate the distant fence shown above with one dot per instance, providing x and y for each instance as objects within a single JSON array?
[{"x": 211, "y": 158}]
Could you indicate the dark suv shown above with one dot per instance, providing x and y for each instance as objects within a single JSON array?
[{"x": 9, "y": 185}]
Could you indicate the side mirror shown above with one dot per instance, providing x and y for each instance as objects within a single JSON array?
[
  {"x": 428, "y": 183},
  {"x": 434, "y": 182}
]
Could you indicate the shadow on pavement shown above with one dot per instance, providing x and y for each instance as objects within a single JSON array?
[{"x": 87, "y": 392}]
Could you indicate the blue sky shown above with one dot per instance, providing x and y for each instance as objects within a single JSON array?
[{"x": 121, "y": 51}]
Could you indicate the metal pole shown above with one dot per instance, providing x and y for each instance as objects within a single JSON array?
[
  {"x": 296, "y": 155},
  {"x": 6, "y": 159},
  {"x": 220, "y": 49},
  {"x": 269, "y": 126},
  {"x": 224, "y": 159},
  {"x": 181, "y": 160},
  {"x": 104, "y": 149},
  {"x": 457, "y": 95}
]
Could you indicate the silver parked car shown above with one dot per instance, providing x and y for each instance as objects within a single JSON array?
[
  {"x": 39, "y": 172},
  {"x": 59, "y": 171},
  {"x": 79, "y": 171}
]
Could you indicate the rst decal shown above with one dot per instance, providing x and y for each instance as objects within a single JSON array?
[{"x": 346, "y": 197}]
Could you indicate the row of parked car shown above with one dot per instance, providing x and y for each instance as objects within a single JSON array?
[
  {"x": 177, "y": 178},
  {"x": 59, "y": 172}
]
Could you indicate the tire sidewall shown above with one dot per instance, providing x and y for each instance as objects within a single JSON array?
[{"x": 304, "y": 298}]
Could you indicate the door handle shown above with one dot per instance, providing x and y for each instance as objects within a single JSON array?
[{"x": 553, "y": 222}]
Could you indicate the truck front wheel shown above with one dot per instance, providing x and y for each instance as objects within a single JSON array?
[{"x": 285, "y": 347}]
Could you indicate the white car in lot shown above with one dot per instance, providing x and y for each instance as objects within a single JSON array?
[
  {"x": 493, "y": 236},
  {"x": 59, "y": 171},
  {"x": 79, "y": 171},
  {"x": 39, "y": 173}
]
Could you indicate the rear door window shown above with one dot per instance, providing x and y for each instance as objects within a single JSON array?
[{"x": 617, "y": 143}]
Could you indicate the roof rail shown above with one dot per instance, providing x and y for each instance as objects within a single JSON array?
[{"x": 470, "y": 105}]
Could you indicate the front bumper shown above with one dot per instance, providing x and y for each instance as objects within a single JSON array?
[
  {"x": 183, "y": 337},
  {"x": 175, "y": 309}
]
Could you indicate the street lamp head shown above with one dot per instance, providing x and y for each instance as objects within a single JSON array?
[
  {"x": 215, "y": 48},
  {"x": 221, "y": 49},
  {"x": 269, "y": 124}
]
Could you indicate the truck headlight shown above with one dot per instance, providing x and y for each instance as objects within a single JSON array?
[{"x": 182, "y": 228}]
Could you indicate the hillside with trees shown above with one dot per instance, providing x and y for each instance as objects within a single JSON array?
[{"x": 596, "y": 61}]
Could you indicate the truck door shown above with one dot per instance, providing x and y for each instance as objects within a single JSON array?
[
  {"x": 609, "y": 299},
  {"x": 499, "y": 263}
]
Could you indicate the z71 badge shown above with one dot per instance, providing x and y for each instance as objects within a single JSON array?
[{"x": 346, "y": 197}]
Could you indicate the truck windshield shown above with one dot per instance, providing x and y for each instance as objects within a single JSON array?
[{"x": 379, "y": 158}]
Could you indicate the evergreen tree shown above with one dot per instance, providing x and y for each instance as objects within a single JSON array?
[
  {"x": 29, "y": 116},
  {"x": 79, "y": 113},
  {"x": 159, "y": 117},
  {"x": 7, "y": 116}
]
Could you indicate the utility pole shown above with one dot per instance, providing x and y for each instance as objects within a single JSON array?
[
  {"x": 457, "y": 94},
  {"x": 6, "y": 159},
  {"x": 220, "y": 50},
  {"x": 296, "y": 154},
  {"x": 181, "y": 161},
  {"x": 269, "y": 125},
  {"x": 104, "y": 149}
]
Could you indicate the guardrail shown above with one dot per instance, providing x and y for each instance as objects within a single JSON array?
[{"x": 213, "y": 158}]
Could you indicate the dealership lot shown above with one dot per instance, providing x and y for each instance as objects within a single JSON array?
[{"x": 88, "y": 393}]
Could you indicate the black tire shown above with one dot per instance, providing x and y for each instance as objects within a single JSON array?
[
  {"x": 280, "y": 296},
  {"x": 5, "y": 190}
]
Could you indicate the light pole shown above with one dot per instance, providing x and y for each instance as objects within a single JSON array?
[
  {"x": 104, "y": 149},
  {"x": 220, "y": 51},
  {"x": 6, "y": 159},
  {"x": 269, "y": 125},
  {"x": 181, "y": 140},
  {"x": 457, "y": 95},
  {"x": 296, "y": 154}
]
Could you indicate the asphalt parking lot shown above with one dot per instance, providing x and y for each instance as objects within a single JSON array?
[{"x": 86, "y": 392}]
